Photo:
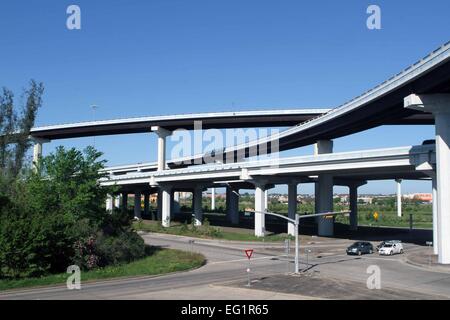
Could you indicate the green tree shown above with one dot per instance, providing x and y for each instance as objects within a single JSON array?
[
  {"x": 67, "y": 181},
  {"x": 7, "y": 127},
  {"x": 55, "y": 211},
  {"x": 15, "y": 129}
]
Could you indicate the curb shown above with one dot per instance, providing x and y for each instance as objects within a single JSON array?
[{"x": 30, "y": 289}]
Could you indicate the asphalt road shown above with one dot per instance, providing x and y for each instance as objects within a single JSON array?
[{"x": 227, "y": 264}]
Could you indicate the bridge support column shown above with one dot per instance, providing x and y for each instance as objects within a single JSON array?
[
  {"x": 166, "y": 195},
  {"x": 197, "y": 205},
  {"x": 146, "y": 204},
  {"x": 260, "y": 218},
  {"x": 117, "y": 200},
  {"x": 137, "y": 205},
  {"x": 323, "y": 146},
  {"x": 316, "y": 199},
  {"x": 213, "y": 199},
  {"x": 159, "y": 205},
  {"x": 162, "y": 135},
  {"x": 439, "y": 105},
  {"x": 442, "y": 123},
  {"x": 37, "y": 150},
  {"x": 399, "y": 197},
  {"x": 109, "y": 203},
  {"x": 175, "y": 202},
  {"x": 353, "y": 200},
  {"x": 233, "y": 205},
  {"x": 324, "y": 192},
  {"x": 292, "y": 206},
  {"x": 326, "y": 225},
  {"x": 124, "y": 202},
  {"x": 435, "y": 216},
  {"x": 353, "y": 208},
  {"x": 266, "y": 200}
]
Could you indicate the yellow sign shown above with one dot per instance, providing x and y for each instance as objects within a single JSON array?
[{"x": 375, "y": 215}]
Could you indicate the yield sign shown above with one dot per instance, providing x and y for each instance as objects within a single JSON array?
[{"x": 249, "y": 253}]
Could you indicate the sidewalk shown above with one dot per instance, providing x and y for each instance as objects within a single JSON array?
[{"x": 423, "y": 257}]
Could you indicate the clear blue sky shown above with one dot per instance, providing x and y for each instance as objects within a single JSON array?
[{"x": 135, "y": 58}]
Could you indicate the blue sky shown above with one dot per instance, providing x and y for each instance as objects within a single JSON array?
[{"x": 136, "y": 58}]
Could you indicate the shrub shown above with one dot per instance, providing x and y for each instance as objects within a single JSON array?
[
  {"x": 125, "y": 247},
  {"x": 33, "y": 244},
  {"x": 84, "y": 255},
  {"x": 56, "y": 217}
]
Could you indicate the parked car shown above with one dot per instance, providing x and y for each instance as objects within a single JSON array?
[
  {"x": 360, "y": 247},
  {"x": 390, "y": 248},
  {"x": 382, "y": 243}
]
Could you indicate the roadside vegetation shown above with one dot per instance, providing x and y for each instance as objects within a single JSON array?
[
  {"x": 385, "y": 207},
  {"x": 53, "y": 215},
  {"x": 158, "y": 261}
]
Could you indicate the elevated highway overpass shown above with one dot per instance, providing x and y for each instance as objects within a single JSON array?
[
  {"x": 382, "y": 105},
  {"x": 420, "y": 94},
  {"x": 211, "y": 120},
  {"x": 410, "y": 162},
  {"x": 351, "y": 169}
]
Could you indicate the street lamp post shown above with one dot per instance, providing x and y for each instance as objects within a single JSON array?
[
  {"x": 296, "y": 223},
  {"x": 297, "y": 220}
]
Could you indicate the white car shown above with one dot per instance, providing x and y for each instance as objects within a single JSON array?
[{"x": 391, "y": 248}]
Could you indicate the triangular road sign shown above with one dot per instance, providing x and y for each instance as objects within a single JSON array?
[{"x": 249, "y": 253}]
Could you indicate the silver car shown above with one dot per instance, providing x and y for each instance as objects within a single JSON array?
[{"x": 391, "y": 248}]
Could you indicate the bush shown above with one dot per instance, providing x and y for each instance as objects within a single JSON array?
[
  {"x": 84, "y": 254},
  {"x": 33, "y": 244},
  {"x": 56, "y": 217},
  {"x": 114, "y": 243},
  {"x": 125, "y": 247}
]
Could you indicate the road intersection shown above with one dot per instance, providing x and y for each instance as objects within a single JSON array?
[{"x": 224, "y": 275}]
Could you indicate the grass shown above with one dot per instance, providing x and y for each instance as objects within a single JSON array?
[
  {"x": 390, "y": 219},
  {"x": 159, "y": 262},
  {"x": 205, "y": 231}
]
